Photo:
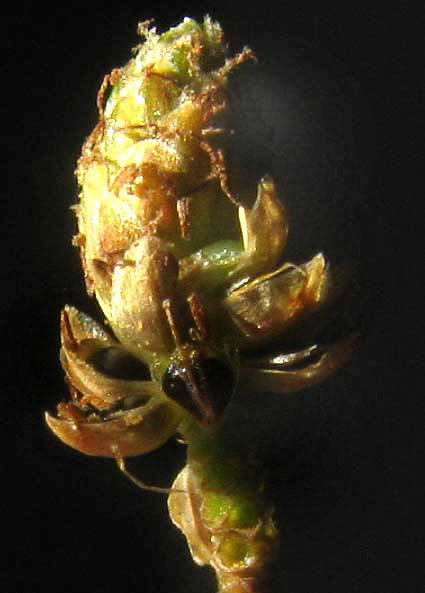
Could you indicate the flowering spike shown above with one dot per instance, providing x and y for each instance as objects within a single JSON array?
[{"x": 191, "y": 282}]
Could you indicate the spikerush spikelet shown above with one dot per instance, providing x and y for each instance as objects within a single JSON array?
[{"x": 193, "y": 286}]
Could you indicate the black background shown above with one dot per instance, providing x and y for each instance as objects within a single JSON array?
[{"x": 333, "y": 111}]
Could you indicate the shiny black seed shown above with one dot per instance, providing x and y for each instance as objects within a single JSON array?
[{"x": 175, "y": 386}]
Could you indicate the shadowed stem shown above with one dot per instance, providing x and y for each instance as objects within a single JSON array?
[{"x": 225, "y": 510}]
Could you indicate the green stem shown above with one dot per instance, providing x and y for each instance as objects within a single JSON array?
[{"x": 225, "y": 510}]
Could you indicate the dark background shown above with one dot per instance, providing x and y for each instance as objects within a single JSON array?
[{"x": 334, "y": 113}]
